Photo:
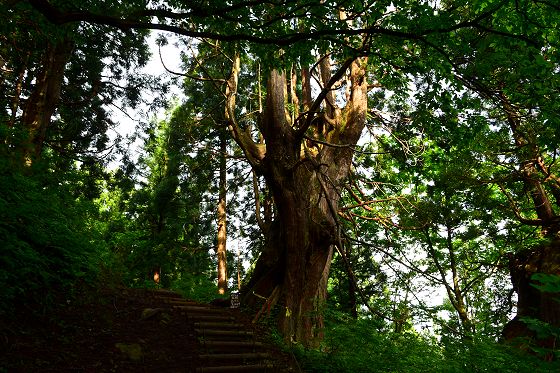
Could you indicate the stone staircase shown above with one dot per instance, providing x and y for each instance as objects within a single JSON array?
[{"x": 227, "y": 341}]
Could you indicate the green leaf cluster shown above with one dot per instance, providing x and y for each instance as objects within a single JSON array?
[
  {"x": 359, "y": 346},
  {"x": 49, "y": 242}
]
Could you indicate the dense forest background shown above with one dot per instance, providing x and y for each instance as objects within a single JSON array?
[{"x": 381, "y": 177}]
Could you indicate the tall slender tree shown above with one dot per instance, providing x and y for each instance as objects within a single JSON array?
[{"x": 222, "y": 218}]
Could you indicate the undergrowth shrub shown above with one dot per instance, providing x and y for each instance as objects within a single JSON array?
[
  {"x": 361, "y": 346},
  {"x": 47, "y": 244},
  {"x": 197, "y": 287}
]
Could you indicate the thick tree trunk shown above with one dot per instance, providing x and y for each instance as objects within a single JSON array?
[
  {"x": 297, "y": 255},
  {"x": 533, "y": 303},
  {"x": 308, "y": 235},
  {"x": 43, "y": 101},
  {"x": 293, "y": 269}
]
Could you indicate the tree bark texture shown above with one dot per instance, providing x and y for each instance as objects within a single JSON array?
[
  {"x": 222, "y": 220},
  {"x": 304, "y": 178},
  {"x": 43, "y": 101},
  {"x": 532, "y": 302},
  {"x": 542, "y": 186}
]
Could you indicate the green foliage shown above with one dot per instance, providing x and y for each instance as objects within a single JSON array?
[
  {"x": 542, "y": 331},
  {"x": 49, "y": 229},
  {"x": 359, "y": 346},
  {"x": 200, "y": 287},
  {"x": 368, "y": 274},
  {"x": 166, "y": 196},
  {"x": 546, "y": 282},
  {"x": 545, "y": 334},
  {"x": 48, "y": 240}
]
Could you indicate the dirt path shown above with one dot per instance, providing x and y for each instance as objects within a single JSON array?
[{"x": 136, "y": 331}]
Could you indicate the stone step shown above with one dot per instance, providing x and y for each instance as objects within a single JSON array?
[
  {"x": 178, "y": 301},
  {"x": 230, "y": 345},
  {"x": 237, "y": 368},
  {"x": 198, "y": 309},
  {"x": 213, "y": 318},
  {"x": 223, "y": 333},
  {"x": 218, "y": 325},
  {"x": 164, "y": 292},
  {"x": 239, "y": 356}
]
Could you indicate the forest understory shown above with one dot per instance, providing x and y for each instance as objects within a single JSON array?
[
  {"x": 119, "y": 329},
  {"x": 115, "y": 330}
]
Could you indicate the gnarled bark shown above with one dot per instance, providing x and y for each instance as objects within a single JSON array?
[
  {"x": 303, "y": 178},
  {"x": 532, "y": 302}
]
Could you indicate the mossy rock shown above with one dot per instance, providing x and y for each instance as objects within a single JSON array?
[{"x": 133, "y": 351}]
